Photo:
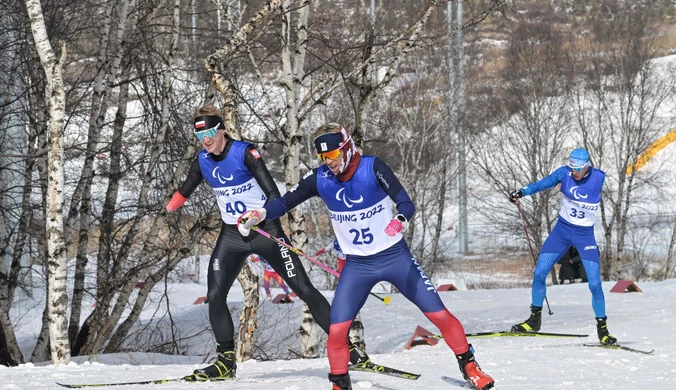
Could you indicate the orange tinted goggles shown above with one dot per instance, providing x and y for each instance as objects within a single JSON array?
[{"x": 331, "y": 155}]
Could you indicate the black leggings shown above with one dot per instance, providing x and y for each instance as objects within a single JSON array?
[{"x": 227, "y": 260}]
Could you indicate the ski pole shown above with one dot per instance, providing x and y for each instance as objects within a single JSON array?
[
  {"x": 326, "y": 268},
  {"x": 532, "y": 252}
]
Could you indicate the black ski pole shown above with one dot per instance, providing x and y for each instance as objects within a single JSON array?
[{"x": 532, "y": 252}]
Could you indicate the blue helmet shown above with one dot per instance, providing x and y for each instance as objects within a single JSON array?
[{"x": 578, "y": 158}]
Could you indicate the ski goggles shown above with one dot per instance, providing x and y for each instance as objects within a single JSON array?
[
  {"x": 576, "y": 167},
  {"x": 331, "y": 155},
  {"x": 208, "y": 133},
  {"x": 207, "y": 126}
]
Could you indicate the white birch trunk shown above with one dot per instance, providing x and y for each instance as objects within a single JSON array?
[
  {"x": 293, "y": 69},
  {"x": 248, "y": 321},
  {"x": 56, "y": 281},
  {"x": 41, "y": 350}
]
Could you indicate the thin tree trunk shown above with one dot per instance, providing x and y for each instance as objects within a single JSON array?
[
  {"x": 80, "y": 265},
  {"x": 58, "y": 296},
  {"x": 10, "y": 354},
  {"x": 440, "y": 213},
  {"x": 41, "y": 349},
  {"x": 310, "y": 334},
  {"x": 669, "y": 270},
  {"x": 197, "y": 270},
  {"x": 247, "y": 319}
]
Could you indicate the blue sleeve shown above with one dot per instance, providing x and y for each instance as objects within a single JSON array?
[
  {"x": 304, "y": 190},
  {"x": 391, "y": 185},
  {"x": 548, "y": 182}
]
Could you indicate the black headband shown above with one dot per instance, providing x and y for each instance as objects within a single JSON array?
[
  {"x": 208, "y": 122},
  {"x": 328, "y": 142}
]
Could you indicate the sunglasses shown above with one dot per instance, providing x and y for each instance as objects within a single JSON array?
[
  {"x": 332, "y": 155},
  {"x": 208, "y": 133}
]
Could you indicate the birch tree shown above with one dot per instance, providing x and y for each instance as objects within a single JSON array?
[{"x": 57, "y": 297}]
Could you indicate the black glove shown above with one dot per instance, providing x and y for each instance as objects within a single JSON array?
[{"x": 515, "y": 195}]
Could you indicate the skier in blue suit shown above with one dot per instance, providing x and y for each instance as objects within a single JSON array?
[{"x": 581, "y": 186}]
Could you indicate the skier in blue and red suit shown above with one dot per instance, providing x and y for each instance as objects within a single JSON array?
[
  {"x": 359, "y": 191},
  {"x": 581, "y": 186}
]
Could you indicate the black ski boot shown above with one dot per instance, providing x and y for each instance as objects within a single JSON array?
[
  {"x": 340, "y": 382},
  {"x": 358, "y": 357},
  {"x": 472, "y": 372},
  {"x": 532, "y": 324},
  {"x": 224, "y": 368},
  {"x": 602, "y": 330}
]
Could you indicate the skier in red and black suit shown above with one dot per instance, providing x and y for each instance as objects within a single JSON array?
[
  {"x": 241, "y": 182},
  {"x": 359, "y": 192}
]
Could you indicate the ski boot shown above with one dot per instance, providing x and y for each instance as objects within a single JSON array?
[
  {"x": 358, "y": 357},
  {"x": 472, "y": 372},
  {"x": 340, "y": 382},
  {"x": 224, "y": 368},
  {"x": 532, "y": 324},
  {"x": 602, "y": 330}
]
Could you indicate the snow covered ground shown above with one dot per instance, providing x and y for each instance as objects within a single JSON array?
[{"x": 644, "y": 320}]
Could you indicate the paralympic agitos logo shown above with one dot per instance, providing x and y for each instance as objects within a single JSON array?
[
  {"x": 340, "y": 195},
  {"x": 577, "y": 195},
  {"x": 220, "y": 177}
]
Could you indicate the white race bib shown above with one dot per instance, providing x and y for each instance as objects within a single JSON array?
[
  {"x": 233, "y": 201},
  {"x": 362, "y": 232},
  {"x": 578, "y": 213}
]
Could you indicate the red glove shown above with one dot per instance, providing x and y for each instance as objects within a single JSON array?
[
  {"x": 396, "y": 225},
  {"x": 176, "y": 201}
]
